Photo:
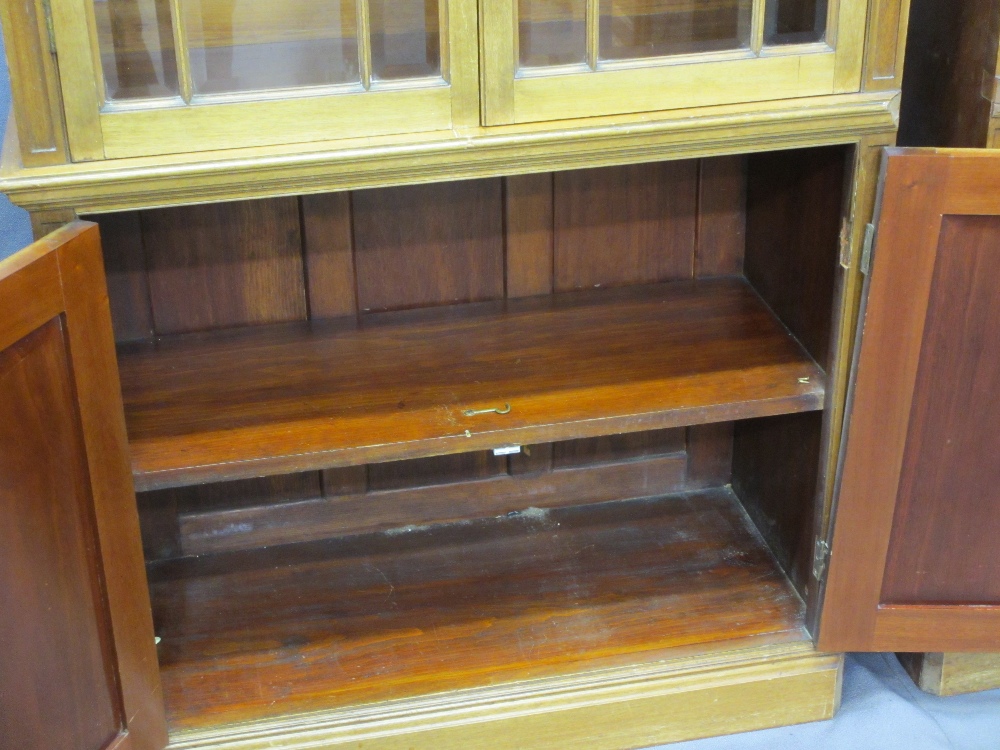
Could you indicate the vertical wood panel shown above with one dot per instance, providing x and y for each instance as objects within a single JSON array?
[
  {"x": 224, "y": 264},
  {"x": 947, "y": 518},
  {"x": 125, "y": 267},
  {"x": 429, "y": 244},
  {"x": 326, "y": 227},
  {"x": 710, "y": 454},
  {"x": 625, "y": 225},
  {"x": 57, "y": 686},
  {"x": 722, "y": 204},
  {"x": 775, "y": 475},
  {"x": 794, "y": 212},
  {"x": 529, "y": 234}
]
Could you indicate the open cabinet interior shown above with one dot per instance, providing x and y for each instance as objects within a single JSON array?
[{"x": 408, "y": 440}]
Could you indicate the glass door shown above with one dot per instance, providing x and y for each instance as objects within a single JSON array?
[
  {"x": 556, "y": 59},
  {"x": 172, "y": 76}
]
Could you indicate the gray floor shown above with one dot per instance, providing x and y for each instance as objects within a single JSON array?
[{"x": 881, "y": 707}]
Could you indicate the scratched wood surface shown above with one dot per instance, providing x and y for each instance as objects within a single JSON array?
[
  {"x": 581, "y": 364},
  {"x": 320, "y": 625}
]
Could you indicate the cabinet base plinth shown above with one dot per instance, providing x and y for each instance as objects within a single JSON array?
[
  {"x": 953, "y": 674},
  {"x": 637, "y": 706}
]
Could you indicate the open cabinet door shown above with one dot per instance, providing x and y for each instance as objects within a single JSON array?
[
  {"x": 78, "y": 668},
  {"x": 915, "y": 558}
]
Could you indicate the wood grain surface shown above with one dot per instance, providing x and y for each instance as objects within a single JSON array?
[
  {"x": 307, "y": 627},
  {"x": 574, "y": 365}
]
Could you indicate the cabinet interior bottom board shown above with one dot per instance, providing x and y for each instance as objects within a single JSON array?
[
  {"x": 251, "y": 636},
  {"x": 281, "y": 398}
]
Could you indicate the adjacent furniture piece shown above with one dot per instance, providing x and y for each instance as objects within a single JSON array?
[{"x": 455, "y": 406}]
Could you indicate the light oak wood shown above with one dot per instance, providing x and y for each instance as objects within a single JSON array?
[
  {"x": 633, "y": 706},
  {"x": 34, "y": 80},
  {"x": 477, "y": 152},
  {"x": 953, "y": 674}
]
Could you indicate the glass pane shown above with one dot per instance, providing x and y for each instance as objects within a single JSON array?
[
  {"x": 405, "y": 38},
  {"x": 654, "y": 28},
  {"x": 136, "y": 41},
  {"x": 552, "y": 32},
  {"x": 794, "y": 21},
  {"x": 253, "y": 45}
]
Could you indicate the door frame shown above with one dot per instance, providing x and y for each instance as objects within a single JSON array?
[
  {"x": 918, "y": 188},
  {"x": 97, "y": 129},
  {"x": 695, "y": 80}
]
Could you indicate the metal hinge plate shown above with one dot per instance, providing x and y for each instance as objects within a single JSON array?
[
  {"x": 821, "y": 558},
  {"x": 866, "y": 249},
  {"x": 47, "y": 10}
]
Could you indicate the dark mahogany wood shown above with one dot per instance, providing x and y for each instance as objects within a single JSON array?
[
  {"x": 794, "y": 208},
  {"x": 722, "y": 209},
  {"x": 775, "y": 474},
  {"x": 529, "y": 234},
  {"x": 79, "y": 669},
  {"x": 418, "y": 505},
  {"x": 625, "y": 225},
  {"x": 329, "y": 250},
  {"x": 922, "y": 439},
  {"x": 390, "y": 615},
  {"x": 398, "y": 385},
  {"x": 224, "y": 264},
  {"x": 423, "y": 245},
  {"x": 947, "y": 518}
]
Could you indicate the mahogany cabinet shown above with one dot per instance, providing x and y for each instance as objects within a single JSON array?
[
  {"x": 516, "y": 420},
  {"x": 494, "y": 462}
]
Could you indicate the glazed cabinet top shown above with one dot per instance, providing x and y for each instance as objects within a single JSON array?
[{"x": 109, "y": 79}]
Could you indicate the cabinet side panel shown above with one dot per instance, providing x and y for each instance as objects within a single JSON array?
[
  {"x": 625, "y": 225},
  {"x": 950, "y": 64},
  {"x": 947, "y": 516},
  {"x": 224, "y": 264},
  {"x": 794, "y": 208},
  {"x": 34, "y": 83},
  {"x": 428, "y": 245},
  {"x": 57, "y": 688}
]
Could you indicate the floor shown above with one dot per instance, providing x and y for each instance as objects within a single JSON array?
[{"x": 881, "y": 706}]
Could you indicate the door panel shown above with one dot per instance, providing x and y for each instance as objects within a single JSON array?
[
  {"x": 79, "y": 667},
  {"x": 914, "y": 564}
]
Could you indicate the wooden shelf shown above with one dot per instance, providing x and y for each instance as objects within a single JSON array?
[
  {"x": 316, "y": 626},
  {"x": 294, "y": 397}
]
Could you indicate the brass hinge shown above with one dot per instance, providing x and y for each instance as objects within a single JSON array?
[
  {"x": 821, "y": 558},
  {"x": 47, "y": 10},
  {"x": 866, "y": 249}
]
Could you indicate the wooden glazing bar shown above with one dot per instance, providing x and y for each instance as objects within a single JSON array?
[
  {"x": 365, "y": 43},
  {"x": 593, "y": 33},
  {"x": 181, "y": 51}
]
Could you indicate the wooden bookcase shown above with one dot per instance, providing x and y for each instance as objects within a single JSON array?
[{"x": 508, "y": 435}]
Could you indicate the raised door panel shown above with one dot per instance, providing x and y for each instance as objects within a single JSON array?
[
  {"x": 914, "y": 563},
  {"x": 79, "y": 667}
]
